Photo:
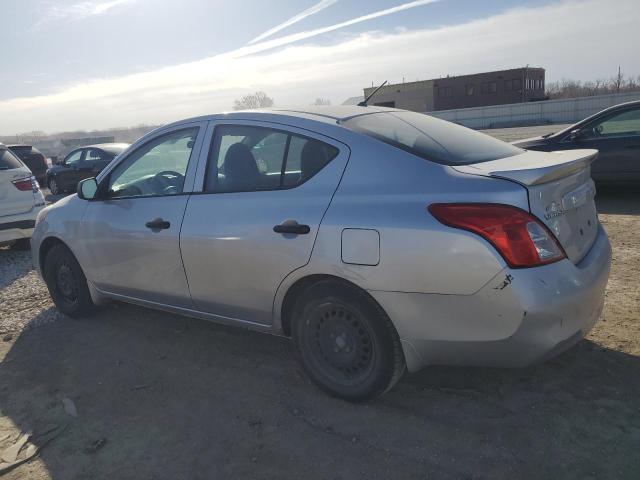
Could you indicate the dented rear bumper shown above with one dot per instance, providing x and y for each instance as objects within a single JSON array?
[{"x": 520, "y": 317}]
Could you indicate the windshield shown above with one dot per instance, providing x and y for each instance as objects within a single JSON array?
[{"x": 431, "y": 138}]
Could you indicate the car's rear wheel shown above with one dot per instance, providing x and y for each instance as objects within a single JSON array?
[
  {"x": 53, "y": 186},
  {"x": 66, "y": 282},
  {"x": 348, "y": 345}
]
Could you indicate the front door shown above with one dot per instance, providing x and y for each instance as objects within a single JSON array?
[
  {"x": 617, "y": 138},
  {"x": 130, "y": 234},
  {"x": 264, "y": 195},
  {"x": 69, "y": 177}
]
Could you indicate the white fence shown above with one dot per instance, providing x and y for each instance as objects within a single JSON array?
[{"x": 568, "y": 110}]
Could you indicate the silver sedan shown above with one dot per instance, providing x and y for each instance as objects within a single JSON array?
[{"x": 380, "y": 240}]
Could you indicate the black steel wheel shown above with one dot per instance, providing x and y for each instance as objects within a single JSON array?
[
  {"x": 66, "y": 282},
  {"x": 347, "y": 343}
]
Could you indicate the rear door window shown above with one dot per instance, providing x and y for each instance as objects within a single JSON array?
[
  {"x": 431, "y": 138},
  {"x": 8, "y": 161},
  {"x": 246, "y": 158}
]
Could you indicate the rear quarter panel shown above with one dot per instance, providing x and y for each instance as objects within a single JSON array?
[{"x": 387, "y": 190}]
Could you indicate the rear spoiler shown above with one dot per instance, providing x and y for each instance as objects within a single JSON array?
[{"x": 533, "y": 168}]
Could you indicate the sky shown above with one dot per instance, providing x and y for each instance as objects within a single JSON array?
[{"x": 94, "y": 64}]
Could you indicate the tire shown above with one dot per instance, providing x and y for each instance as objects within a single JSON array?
[
  {"x": 53, "y": 186},
  {"x": 66, "y": 282},
  {"x": 22, "y": 244},
  {"x": 347, "y": 344}
]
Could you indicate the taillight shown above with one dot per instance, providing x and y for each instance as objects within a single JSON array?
[
  {"x": 517, "y": 235},
  {"x": 26, "y": 184}
]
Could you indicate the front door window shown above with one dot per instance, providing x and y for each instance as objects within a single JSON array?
[{"x": 157, "y": 168}]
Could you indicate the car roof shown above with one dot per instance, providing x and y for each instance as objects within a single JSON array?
[
  {"x": 326, "y": 114},
  {"x": 109, "y": 147}
]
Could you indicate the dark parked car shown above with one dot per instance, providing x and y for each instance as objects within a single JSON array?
[
  {"x": 614, "y": 132},
  {"x": 81, "y": 163},
  {"x": 32, "y": 158}
]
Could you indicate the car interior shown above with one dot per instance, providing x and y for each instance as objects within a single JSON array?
[{"x": 263, "y": 159}]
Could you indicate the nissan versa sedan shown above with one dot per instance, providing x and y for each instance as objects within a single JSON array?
[{"x": 379, "y": 240}]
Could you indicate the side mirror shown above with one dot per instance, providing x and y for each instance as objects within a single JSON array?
[
  {"x": 577, "y": 134},
  {"x": 87, "y": 189}
]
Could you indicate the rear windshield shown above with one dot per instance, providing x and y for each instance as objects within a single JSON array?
[
  {"x": 21, "y": 151},
  {"x": 8, "y": 160},
  {"x": 431, "y": 138}
]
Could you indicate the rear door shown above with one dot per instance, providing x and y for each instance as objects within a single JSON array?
[
  {"x": 16, "y": 190},
  {"x": 265, "y": 189},
  {"x": 617, "y": 138},
  {"x": 92, "y": 163}
]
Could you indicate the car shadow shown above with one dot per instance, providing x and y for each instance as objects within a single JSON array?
[
  {"x": 15, "y": 264},
  {"x": 161, "y": 396},
  {"x": 618, "y": 200}
]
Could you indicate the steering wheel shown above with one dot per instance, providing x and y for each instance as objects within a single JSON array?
[{"x": 168, "y": 180}]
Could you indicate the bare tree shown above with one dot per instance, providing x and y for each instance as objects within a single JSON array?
[
  {"x": 255, "y": 100},
  {"x": 322, "y": 101},
  {"x": 567, "y": 88},
  {"x": 618, "y": 80}
]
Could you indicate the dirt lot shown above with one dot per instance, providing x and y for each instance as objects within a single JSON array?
[{"x": 164, "y": 397}]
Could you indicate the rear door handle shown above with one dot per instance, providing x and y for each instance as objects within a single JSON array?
[
  {"x": 293, "y": 227},
  {"x": 157, "y": 224}
]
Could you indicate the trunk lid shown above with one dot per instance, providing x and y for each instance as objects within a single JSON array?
[{"x": 561, "y": 192}]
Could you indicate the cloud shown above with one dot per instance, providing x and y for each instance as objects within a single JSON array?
[
  {"x": 296, "y": 37},
  {"x": 79, "y": 10},
  {"x": 318, "y": 7},
  {"x": 559, "y": 37}
]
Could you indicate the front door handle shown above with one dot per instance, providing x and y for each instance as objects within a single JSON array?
[
  {"x": 293, "y": 227},
  {"x": 632, "y": 146},
  {"x": 157, "y": 224}
]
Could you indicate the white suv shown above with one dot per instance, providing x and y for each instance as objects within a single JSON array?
[{"x": 20, "y": 200}]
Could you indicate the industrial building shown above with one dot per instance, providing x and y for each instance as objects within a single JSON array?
[{"x": 481, "y": 89}]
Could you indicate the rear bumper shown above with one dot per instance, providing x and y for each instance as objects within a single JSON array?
[
  {"x": 17, "y": 227},
  {"x": 520, "y": 317}
]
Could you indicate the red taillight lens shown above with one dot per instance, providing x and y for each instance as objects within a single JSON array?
[
  {"x": 517, "y": 235},
  {"x": 26, "y": 184}
]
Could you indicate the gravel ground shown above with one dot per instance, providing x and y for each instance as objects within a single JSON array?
[{"x": 158, "y": 396}]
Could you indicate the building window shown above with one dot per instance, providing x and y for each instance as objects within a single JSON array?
[
  {"x": 508, "y": 85},
  {"x": 517, "y": 84},
  {"x": 489, "y": 87},
  {"x": 445, "y": 92},
  {"x": 470, "y": 90}
]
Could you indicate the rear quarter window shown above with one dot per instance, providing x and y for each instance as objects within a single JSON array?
[
  {"x": 431, "y": 138},
  {"x": 8, "y": 160}
]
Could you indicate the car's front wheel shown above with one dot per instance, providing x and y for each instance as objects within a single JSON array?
[
  {"x": 53, "y": 186},
  {"x": 66, "y": 282},
  {"x": 347, "y": 343}
]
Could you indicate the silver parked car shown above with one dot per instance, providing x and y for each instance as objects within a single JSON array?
[{"x": 378, "y": 239}]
